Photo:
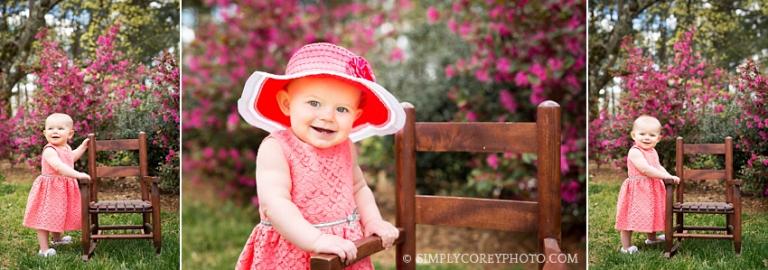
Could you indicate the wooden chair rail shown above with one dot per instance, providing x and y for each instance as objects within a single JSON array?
[
  {"x": 712, "y": 148},
  {"x": 116, "y": 145},
  {"x": 365, "y": 247},
  {"x": 117, "y": 171},
  {"x": 466, "y": 137},
  {"x": 507, "y": 215},
  {"x": 704, "y": 174}
]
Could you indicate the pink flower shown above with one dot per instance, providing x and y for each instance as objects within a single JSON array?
[
  {"x": 482, "y": 75},
  {"x": 507, "y": 101},
  {"x": 521, "y": 79},
  {"x": 449, "y": 72},
  {"x": 537, "y": 94},
  {"x": 554, "y": 64},
  {"x": 569, "y": 191},
  {"x": 502, "y": 65},
  {"x": 471, "y": 116},
  {"x": 432, "y": 15},
  {"x": 465, "y": 29},
  {"x": 453, "y": 26},
  {"x": 492, "y": 161},
  {"x": 360, "y": 68},
  {"x": 396, "y": 54},
  {"x": 208, "y": 153},
  {"x": 539, "y": 71}
]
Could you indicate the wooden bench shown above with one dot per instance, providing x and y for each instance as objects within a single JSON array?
[{"x": 543, "y": 216}]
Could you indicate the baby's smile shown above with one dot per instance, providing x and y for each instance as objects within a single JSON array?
[{"x": 323, "y": 130}]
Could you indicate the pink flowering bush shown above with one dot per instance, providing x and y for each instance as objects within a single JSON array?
[
  {"x": 102, "y": 95},
  {"x": 690, "y": 98},
  {"x": 753, "y": 88},
  {"x": 522, "y": 54}
]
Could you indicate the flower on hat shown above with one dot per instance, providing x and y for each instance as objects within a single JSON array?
[{"x": 359, "y": 67}]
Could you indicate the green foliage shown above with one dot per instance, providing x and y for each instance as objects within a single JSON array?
[{"x": 755, "y": 178}]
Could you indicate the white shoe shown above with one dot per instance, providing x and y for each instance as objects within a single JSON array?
[
  {"x": 659, "y": 239},
  {"x": 66, "y": 240},
  {"x": 630, "y": 250},
  {"x": 48, "y": 253}
]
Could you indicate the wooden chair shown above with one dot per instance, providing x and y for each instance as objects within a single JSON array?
[
  {"x": 541, "y": 137},
  {"x": 148, "y": 206},
  {"x": 731, "y": 207}
]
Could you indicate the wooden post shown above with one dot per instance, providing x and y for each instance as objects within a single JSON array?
[
  {"x": 405, "y": 190},
  {"x": 548, "y": 137},
  {"x": 142, "y": 177}
]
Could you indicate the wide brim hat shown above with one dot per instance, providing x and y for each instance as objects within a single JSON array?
[{"x": 382, "y": 113}]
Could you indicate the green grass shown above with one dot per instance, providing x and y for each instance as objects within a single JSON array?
[
  {"x": 18, "y": 244},
  {"x": 214, "y": 236},
  {"x": 693, "y": 253}
]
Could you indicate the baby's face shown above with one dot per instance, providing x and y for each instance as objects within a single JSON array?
[
  {"x": 646, "y": 134},
  {"x": 322, "y": 110},
  {"x": 58, "y": 130}
]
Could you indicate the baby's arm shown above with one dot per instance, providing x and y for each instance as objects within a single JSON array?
[
  {"x": 369, "y": 212},
  {"x": 52, "y": 158},
  {"x": 637, "y": 158},
  {"x": 78, "y": 152},
  {"x": 273, "y": 181}
]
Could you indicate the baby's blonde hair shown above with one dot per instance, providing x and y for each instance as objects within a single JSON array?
[
  {"x": 646, "y": 119},
  {"x": 62, "y": 116}
]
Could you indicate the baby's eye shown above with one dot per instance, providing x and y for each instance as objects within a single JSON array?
[
  {"x": 313, "y": 103},
  {"x": 342, "y": 110}
]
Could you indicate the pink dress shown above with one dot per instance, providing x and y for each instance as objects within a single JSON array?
[
  {"x": 54, "y": 200},
  {"x": 641, "y": 202},
  {"x": 322, "y": 189}
]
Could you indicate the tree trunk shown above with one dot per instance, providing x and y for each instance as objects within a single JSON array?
[
  {"x": 14, "y": 51},
  {"x": 600, "y": 73}
]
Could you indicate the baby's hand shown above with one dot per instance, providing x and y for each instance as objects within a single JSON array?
[
  {"x": 328, "y": 243},
  {"x": 84, "y": 144},
  {"x": 383, "y": 229},
  {"x": 677, "y": 179},
  {"x": 83, "y": 176}
]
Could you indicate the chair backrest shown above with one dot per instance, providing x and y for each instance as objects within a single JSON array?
[
  {"x": 682, "y": 149},
  {"x": 541, "y": 137},
  {"x": 97, "y": 172}
]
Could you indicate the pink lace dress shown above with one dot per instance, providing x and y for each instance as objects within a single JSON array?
[
  {"x": 54, "y": 200},
  {"x": 322, "y": 189},
  {"x": 641, "y": 204}
]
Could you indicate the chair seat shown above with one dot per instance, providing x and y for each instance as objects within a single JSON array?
[
  {"x": 124, "y": 206},
  {"x": 703, "y": 207}
]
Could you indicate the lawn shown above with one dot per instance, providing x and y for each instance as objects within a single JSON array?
[
  {"x": 604, "y": 241},
  {"x": 18, "y": 244}
]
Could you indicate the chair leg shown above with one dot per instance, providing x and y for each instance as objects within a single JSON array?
[
  {"x": 145, "y": 220},
  {"x": 86, "y": 237},
  {"x": 156, "y": 233},
  {"x": 737, "y": 232},
  {"x": 729, "y": 224}
]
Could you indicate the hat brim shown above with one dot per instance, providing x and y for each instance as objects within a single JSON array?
[{"x": 382, "y": 113}]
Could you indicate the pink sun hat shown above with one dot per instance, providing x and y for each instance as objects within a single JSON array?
[{"x": 382, "y": 113}]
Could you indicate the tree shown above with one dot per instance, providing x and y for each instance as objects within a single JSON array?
[{"x": 16, "y": 41}]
